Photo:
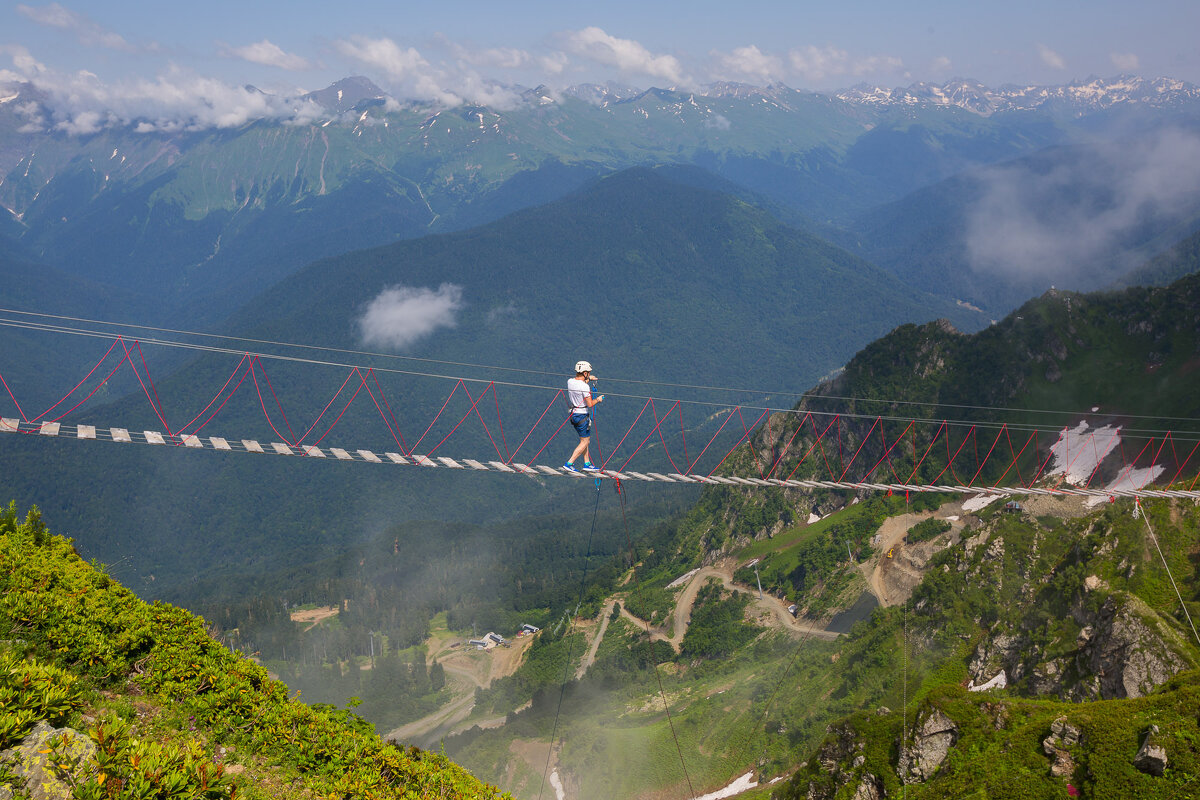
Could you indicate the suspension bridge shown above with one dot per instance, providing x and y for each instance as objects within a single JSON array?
[{"x": 1052, "y": 454}]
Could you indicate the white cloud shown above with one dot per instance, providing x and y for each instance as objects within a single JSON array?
[
  {"x": 383, "y": 54},
  {"x": 268, "y": 53},
  {"x": 1126, "y": 62},
  {"x": 81, "y": 103},
  {"x": 748, "y": 63},
  {"x": 86, "y": 30},
  {"x": 1050, "y": 58},
  {"x": 625, "y": 54},
  {"x": 1065, "y": 223},
  {"x": 411, "y": 75},
  {"x": 401, "y": 315},
  {"x": 817, "y": 64},
  {"x": 941, "y": 64},
  {"x": 23, "y": 61},
  {"x": 554, "y": 64}
]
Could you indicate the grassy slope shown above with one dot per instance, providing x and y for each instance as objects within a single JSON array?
[{"x": 121, "y": 659}]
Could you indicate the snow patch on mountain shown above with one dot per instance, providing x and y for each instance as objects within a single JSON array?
[{"x": 1093, "y": 94}]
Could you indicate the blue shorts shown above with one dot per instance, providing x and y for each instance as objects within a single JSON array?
[{"x": 583, "y": 424}]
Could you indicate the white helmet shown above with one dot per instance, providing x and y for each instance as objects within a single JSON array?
[{"x": 582, "y": 366}]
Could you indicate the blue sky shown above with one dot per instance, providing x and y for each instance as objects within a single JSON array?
[{"x": 124, "y": 56}]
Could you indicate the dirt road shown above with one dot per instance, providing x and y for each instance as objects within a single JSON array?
[
  {"x": 770, "y": 610},
  {"x": 466, "y": 670},
  {"x": 893, "y": 579},
  {"x": 590, "y": 657}
]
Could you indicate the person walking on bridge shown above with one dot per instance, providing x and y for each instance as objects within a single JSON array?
[{"x": 579, "y": 398}]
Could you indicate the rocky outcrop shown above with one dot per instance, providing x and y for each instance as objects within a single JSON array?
[
  {"x": 871, "y": 788},
  {"x": 931, "y": 742},
  {"x": 1063, "y": 735},
  {"x": 1151, "y": 758},
  {"x": 49, "y": 760},
  {"x": 1119, "y": 652},
  {"x": 839, "y": 760},
  {"x": 1128, "y": 655}
]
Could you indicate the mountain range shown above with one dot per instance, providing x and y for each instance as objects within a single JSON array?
[{"x": 202, "y": 220}]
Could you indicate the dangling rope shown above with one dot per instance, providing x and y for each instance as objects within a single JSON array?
[
  {"x": 1137, "y": 509},
  {"x": 661, "y": 691},
  {"x": 570, "y": 647}
]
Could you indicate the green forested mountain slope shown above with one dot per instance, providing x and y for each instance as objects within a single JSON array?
[
  {"x": 1182, "y": 259},
  {"x": 1080, "y": 616},
  {"x": 171, "y": 713}
]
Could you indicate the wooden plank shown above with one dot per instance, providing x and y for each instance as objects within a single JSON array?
[
  {"x": 312, "y": 451},
  {"x": 396, "y": 458},
  {"x": 525, "y": 469},
  {"x": 369, "y": 456},
  {"x": 473, "y": 464},
  {"x": 49, "y": 429},
  {"x": 658, "y": 476},
  {"x": 340, "y": 454},
  {"x": 252, "y": 446},
  {"x": 550, "y": 470},
  {"x": 682, "y": 478},
  {"x": 219, "y": 444},
  {"x": 8, "y": 425},
  {"x": 639, "y": 476},
  {"x": 85, "y": 432},
  {"x": 500, "y": 465},
  {"x": 423, "y": 461},
  {"x": 191, "y": 440},
  {"x": 450, "y": 462},
  {"x": 120, "y": 435},
  {"x": 282, "y": 449},
  {"x": 153, "y": 437}
]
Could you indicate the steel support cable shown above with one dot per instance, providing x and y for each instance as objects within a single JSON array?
[
  {"x": 392, "y": 425},
  {"x": 262, "y": 403},
  {"x": 1146, "y": 518},
  {"x": 783, "y": 451},
  {"x": 376, "y": 354},
  {"x": 735, "y": 446},
  {"x": 550, "y": 405},
  {"x": 1128, "y": 432},
  {"x": 157, "y": 410},
  {"x": 82, "y": 381},
  {"x": 89, "y": 396},
  {"x": 216, "y": 396}
]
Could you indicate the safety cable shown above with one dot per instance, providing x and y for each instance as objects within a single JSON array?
[
  {"x": 1137, "y": 508},
  {"x": 376, "y": 354},
  {"x": 723, "y": 407}
]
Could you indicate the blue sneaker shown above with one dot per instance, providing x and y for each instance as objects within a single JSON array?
[
  {"x": 569, "y": 467},
  {"x": 590, "y": 467}
]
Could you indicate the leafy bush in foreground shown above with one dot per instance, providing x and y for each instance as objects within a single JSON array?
[{"x": 74, "y": 616}]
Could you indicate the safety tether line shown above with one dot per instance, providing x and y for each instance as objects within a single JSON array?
[
  {"x": 1137, "y": 508},
  {"x": 637, "y": 582},
  {"x": 571, "y": 646}
]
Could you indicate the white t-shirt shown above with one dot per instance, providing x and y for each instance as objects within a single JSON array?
[{"x": 577, "y": 390}]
